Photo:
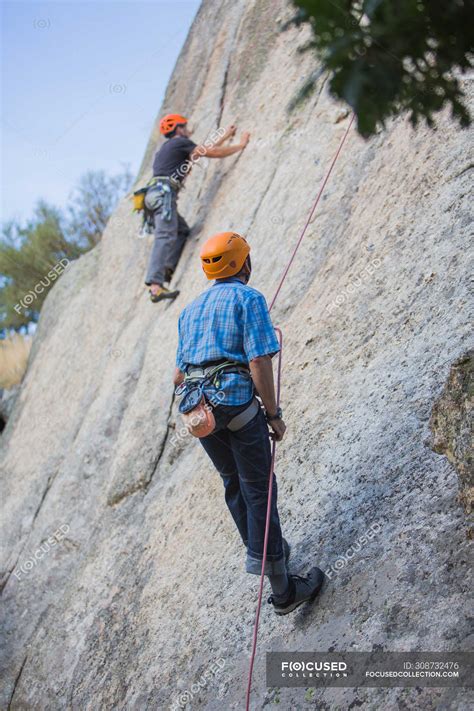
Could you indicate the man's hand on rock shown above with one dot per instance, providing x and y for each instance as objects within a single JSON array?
[{"x": 230, "y": 132}]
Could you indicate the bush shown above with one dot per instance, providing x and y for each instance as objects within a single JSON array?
[{"x": 14, "y": 352}]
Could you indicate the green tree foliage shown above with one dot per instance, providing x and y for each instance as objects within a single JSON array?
[
  {"x": 29, "y": 253},
  {"x": 386, "y": 57},
  {"x": 92, "y": 204}
]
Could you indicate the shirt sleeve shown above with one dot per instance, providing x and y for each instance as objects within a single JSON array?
[
  {"x": 259, "y": 334},
  {"x": 179, "y": 353},
  {"x": 187, "y": 146}
]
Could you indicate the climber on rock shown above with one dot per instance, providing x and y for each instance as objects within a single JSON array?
[
  {"x": 225, "y": 349},
  {"x": 172, "y": 162}
]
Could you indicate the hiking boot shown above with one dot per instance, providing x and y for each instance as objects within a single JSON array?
[
  {"x": 302, "y": 589},
  {"x": 162, "y": 293}
]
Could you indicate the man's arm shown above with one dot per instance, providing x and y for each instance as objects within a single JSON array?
[
  {"x": 219, "y": 151},
  {"x": 262, "y": 376},
  {"x": 178, "y": 377}
]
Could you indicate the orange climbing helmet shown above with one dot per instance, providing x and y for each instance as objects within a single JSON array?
[
  {"x": 169, "y": 122},
  {"x": 224, "y": 254}
]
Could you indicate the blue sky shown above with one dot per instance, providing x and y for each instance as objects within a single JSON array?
[{"x": 82, "y": 83}]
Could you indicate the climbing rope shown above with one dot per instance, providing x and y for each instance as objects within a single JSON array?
[{"x": 272, "y": 465}]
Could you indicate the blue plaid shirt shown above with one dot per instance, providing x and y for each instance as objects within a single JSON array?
[{"x": 229, "y": 320}]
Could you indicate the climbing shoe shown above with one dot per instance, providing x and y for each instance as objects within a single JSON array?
[
  {"x": 302, "y": 589},
  {"x": 163, "y": 293}
]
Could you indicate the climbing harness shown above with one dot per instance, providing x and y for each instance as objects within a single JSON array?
[
  {"x": 156, "y": 197},
  {"x": 212, "y": 371},
  {"x": 196, "y": 408},
  {"x": 272, "y": 465},
  {"x": 244, "y": 417},
  {"x": 159, "y": 196}
]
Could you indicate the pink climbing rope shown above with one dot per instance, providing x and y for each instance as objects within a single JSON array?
[
  {"x": 272, "y": 465},
  {"x": 267, "y": 529},
  {"x": 313, "y": 210}
]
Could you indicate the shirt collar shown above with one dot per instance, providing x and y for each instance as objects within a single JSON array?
[{"x": 228, "y": 280}]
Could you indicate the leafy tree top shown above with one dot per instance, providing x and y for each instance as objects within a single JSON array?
[{"x": 387, "y": 57}]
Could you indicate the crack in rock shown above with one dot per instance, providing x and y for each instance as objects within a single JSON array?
[
  {"x": 223, "y": 92},
  {"x": 16, "y": 682},
  {"x": 6, "y": 579},
  {"x": 163, "y": 444},
  {"x": 144, "y": 483}
]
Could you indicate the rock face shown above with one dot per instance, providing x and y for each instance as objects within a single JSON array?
[
  {"x": 124, "y": 582},
  {"x": 7, "y": 400},
  {"x": 451, "y": 425}
]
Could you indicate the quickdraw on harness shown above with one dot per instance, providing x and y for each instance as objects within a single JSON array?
[
  {"x": 196, "y": 408},
  {"x": 156, "y": 197}
]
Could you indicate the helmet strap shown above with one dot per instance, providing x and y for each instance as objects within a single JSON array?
[{"x": 247, "y": 270}]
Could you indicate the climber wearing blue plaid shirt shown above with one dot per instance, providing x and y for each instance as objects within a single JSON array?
[
  {"x": 226, "y": 343},
  {"x": 232, "y": 323}
]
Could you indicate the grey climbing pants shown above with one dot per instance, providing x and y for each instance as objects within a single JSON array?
[{"x": 170, "y": 236}]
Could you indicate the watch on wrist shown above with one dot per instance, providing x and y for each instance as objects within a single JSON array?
[{"x": 277, "y": 416}]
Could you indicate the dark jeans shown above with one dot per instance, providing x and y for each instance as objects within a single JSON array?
[
  {"x": 243, "y": 460},
  {"x": 170, "y": 237}
]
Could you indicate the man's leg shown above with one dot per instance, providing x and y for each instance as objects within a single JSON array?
[
  {"x": 177, "y": 246},
  {"x": 183, "y": 227},
  {"x": 252, "y": 453},
  {"x": 166, "y": 234},
  {"x": 251, "y": 456},
  {"x": 219, "y": 450}
]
